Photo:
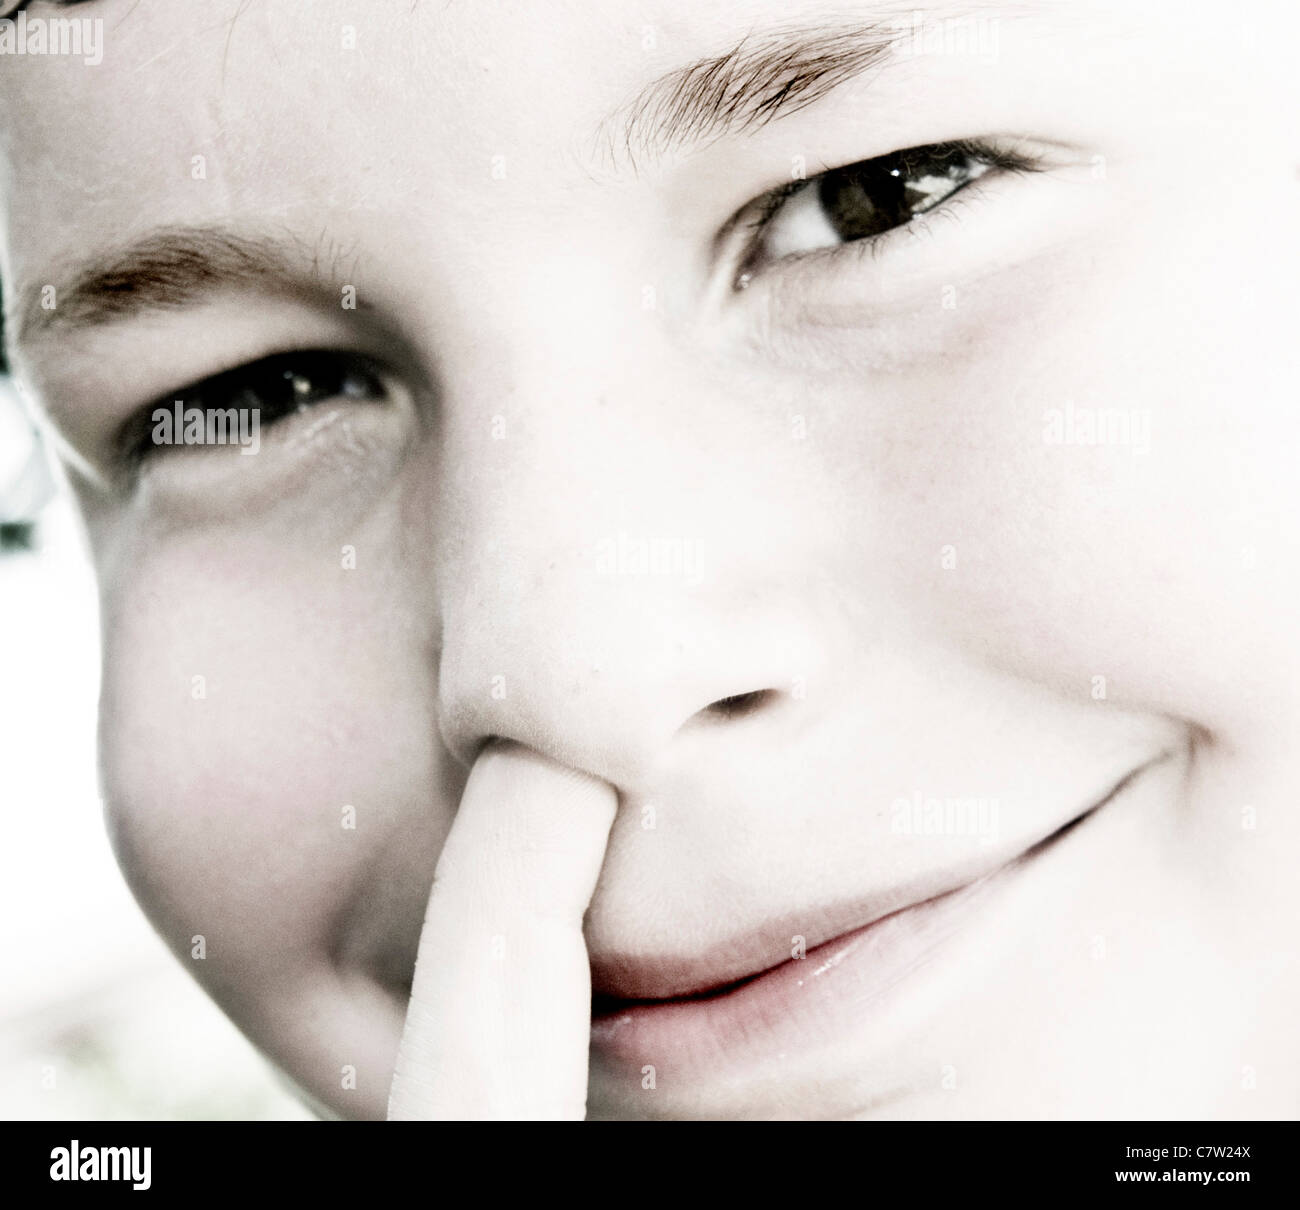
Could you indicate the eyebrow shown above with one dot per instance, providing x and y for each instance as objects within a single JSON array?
[
  {"x": 164, "y": 271},
  {"x": 763, "y": 77}
]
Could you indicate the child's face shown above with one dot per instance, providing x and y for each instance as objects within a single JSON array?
[{"x": 999, "y": 508}]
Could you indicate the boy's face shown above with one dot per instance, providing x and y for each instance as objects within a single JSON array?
[{"x": 987, "y": 515}]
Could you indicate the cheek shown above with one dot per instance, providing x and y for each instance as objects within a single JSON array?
[
  {"x": 273, "y": 778},
  {"x": 1081, "y": 492}
]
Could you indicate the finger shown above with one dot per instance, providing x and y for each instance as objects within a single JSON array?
[{"x": 499, "y": 1019}]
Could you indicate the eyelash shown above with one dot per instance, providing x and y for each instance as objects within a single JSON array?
[
  {"x": 135, "y": 445},
  {"x": 22, "y": 7},
  {"x": 999, "y": 161},
  {"x": 57, "y": 3}
]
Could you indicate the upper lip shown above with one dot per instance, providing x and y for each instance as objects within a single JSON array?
[{"x": 621, "y": 977}]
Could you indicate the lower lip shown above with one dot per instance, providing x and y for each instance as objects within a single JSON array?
[
  {"x": 842, "y": 986},
  {"x": 787, "y": 1002}
]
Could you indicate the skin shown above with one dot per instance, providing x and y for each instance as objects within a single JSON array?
[{"x": 819, "y": 438}]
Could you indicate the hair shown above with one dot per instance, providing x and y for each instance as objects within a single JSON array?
[{"x": 15, "y": 536}]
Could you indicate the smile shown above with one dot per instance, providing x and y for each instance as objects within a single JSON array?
[{"x": 828, "y": 986}]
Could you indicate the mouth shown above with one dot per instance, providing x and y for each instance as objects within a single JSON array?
[
  {"x": 843, "y": 982},
  {"x": 609, "y": 1013}
]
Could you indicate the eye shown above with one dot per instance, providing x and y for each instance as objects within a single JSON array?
[
  {"x": 273, "y": 389},
  {"x": 866, "y": 200}
]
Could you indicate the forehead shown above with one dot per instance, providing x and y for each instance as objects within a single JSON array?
[
  {"x": 323, "y": 111},
  {"x": 325, "y": 89}
]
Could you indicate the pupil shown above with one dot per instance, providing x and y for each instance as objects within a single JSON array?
[
  {"x": 869, "y": 199},
  {"x": 281, "y": 393}
]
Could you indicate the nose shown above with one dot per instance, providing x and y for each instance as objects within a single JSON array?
[{"x": 607, "y": 586}]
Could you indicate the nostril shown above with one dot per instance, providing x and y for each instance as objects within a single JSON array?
[{"x": 740, "y": 705}]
